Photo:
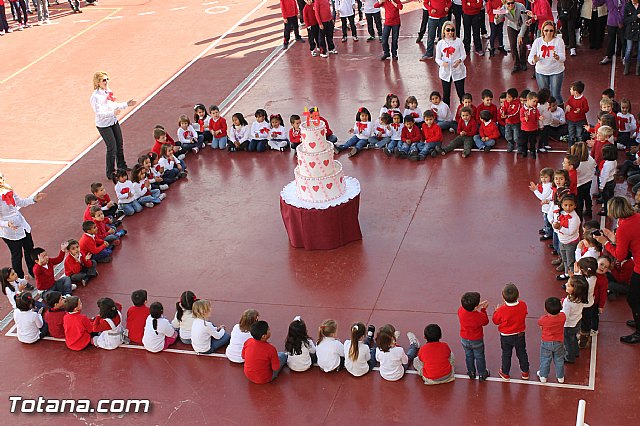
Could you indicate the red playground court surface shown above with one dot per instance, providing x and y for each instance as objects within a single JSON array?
[{"x": 432, "y": 230}]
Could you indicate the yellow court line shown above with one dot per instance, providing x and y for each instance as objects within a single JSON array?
[{"x": 61, "y": 45}]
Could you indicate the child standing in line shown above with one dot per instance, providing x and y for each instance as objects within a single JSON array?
[
  {"x": 473, "y": 316},
  {"x": 300, "y": 349},
  {"x": 108, "y": 325},
  {"x": 240, "y": 133},
  {"x": 78, "y": 266},
  {"x": 329, "y": 350},
  {"x": 510, "y": 318},
  {"x": 187, "y": 135},
  {"x": 183, "y": 319},
  {"x": 545, "y": 120},
  {"x": 511, "y": 114},
  {"x": 372, "y": 14},
  {"x": 432, "y": 134},
  {"x": 262, "y": 363},
  {"x": 576, "y": 109},
  {"x": 277, "y": 134},
  {"x": 240, "y": 333},
  {"x": 77, "y": 327},
  {"x": 488, "y": 132},
  {"x": 158, "y": 332},
  {"x": 316, "y": 43},
  {"x": 201, "y": 122},
  {"x": 289, "y": 9},
  {"x": 467, "y": 129},
  {"x": 124, "y": 191},
  {"x": 137, "y": 316},
  {"x": 396, "y": 135},
  {"x": 346, "y": 9},
  {"x": 391, "y": 28},
  {"x": 435, "y": 360},
  {"x": 600, "y": 291},
  {"x": 552, "y": 346},
  {"x": 54, "y": 315},
  {"x": 572, "y": 305},
  {"x": 571, "y": 164},
  {"x": 585, "y": 173},
  {"x": 381, "y": 132},
  {"x": 392, "y": 358},
  {"x": 529, "y": 123},
  {"x": 607, "y": 168},
  {"x": 295, "y": 135},
  {"x": 206, "y": 338},
  {"x": 360, "y": 353},
  {"x": 567, "y": 226},
  {"x": 259, "y": 132},
  {"x": 218, "y": 124},
  {"x": 44, "y": 274},
  {"x": 361, "y": 131},
  {"x": 411, "y": 136},
  {"x": 411, "y": 108},
  {"x": 588, "y": 268},
  {"x": 325, "y": 19},
  {"x": 29, "y": 323},
  {"x": 544, "y": 192},
  {"x": 626, "y": 124}
]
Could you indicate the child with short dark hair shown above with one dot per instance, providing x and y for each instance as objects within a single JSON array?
[
  {"x": 54, "y": 315},
  {"x": 552, "y": 346},
  {"x": 435, "y": 360},
  {"x": 571, "y": 164},
  {"x": 473, "y": 316},
  {"x": 487, "y": 105},
  {"x": 29, "y": 323},
  {"x": 289, "y": 9},
  {"x": 488, "y": 132},
  {"x": 529, "y": 123},
  {"x": 467, "y": 129},
  {"x": 262, "y": 362},
  {"x": 108, "y": 207},
  {"x": 510, "y": 318},
  {"x": 43, "y": 271},
  {"x": 295, "y": 135},
  {"x": 137, "y": 315},
  {"x": 77, "y": 327},
  {"x": 218, "y": 126},
  {"x": 105, "y": 232},
  {"x": 90, "y": 243},
  {"x": 411, "y": 135},
  {"x": 78, "y": 266},
  {"x": 511, "y": 114},
  {"x": 576, "y": 109},
  {"x": 432, "y": 134}
]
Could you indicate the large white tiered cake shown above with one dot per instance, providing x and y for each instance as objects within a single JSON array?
[{"x": 319, "y": 177}]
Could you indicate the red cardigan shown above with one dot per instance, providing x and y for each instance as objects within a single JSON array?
[
  {"x": 289, "y": 8},
  {"x": 309, "y": 16},
  {"x": 44, "y": 276},
  {"x": 490, "y": 130},
  {"x": 574, "y": 103},
  {"x": 411, "y": 136},
  {"x": 471, "y": 128},
  {"x": 221, "y": 124},
  {"x": 323, "y": 11},
  {"x": 471, "y": 7},
  {"x": 72, "y": 266},
  {"x": 77, "y": 331},
  {"x": 437, "y": 8},
  {"x": 511, "y": 319},
  {"x": 529, "y": 119},
  {"x": 91, "y": 245},
  {"x": 432, "y": 133},
  {"x": 491, "y": 108},
  {"x": 54, "y": 319},
  {"x": 392, "y": 10},
  {"x": 471, "y": 323}
]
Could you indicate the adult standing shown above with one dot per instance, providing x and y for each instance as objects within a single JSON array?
[
  {"x": 548, "y": 55},
  {"x": 615, "y": 27},
  {"x": 106, "y": 108},
  {"x": 568, "y": 15},
  {"x": 631, "y": 34},
  {"x": 513, "y": 14},
  {"x": 438, "y": 13},
  {"x": 626, "y": 239},
  {"x": 14, "y": 228},
  {"x": 450, "y": 56},
  {"x": 596, "y": 18}
]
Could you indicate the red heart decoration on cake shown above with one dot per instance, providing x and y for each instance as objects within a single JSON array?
[
  {"x": 304, "y": 188},
  {"x": 304, "y": 136},
  {"x": 312, "y": 145},
  {"x": 341, "y": 179},
  {"x": 326, "y": 163},
  {"x": 315, "y": 188},
  {"x": 329, "y": 185},
  {"x": 299, "y": 162},
  {"x": 322, "y": 132},
  {"x": 312, "y": 164}
]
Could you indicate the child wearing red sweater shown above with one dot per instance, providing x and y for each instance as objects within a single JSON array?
[
  {"x": 295, "y": 135},
  {"x": 488, "y": 132},
  {"x": 54, "y": 315},
  {"x": 90, "y": 243},
  {"x": 411, "y": 135},
  {"x": 432, "y": 134},
  {"x": 262, "y": 363},
  {"x": 108, "y": 207},
  {"x": 137, "y": 316},
  {"x": 529, "y": 123},
  {"x": 44, "y": 274},
  {"x": 217, "y": 124},
  {"x": 511, "y": 115},
  {"x": 576, "y": 109},
  {"x": 106, "y": 232},
  {"x": 392, "y": 10},
  {"x": 435, "y": 360},
  {"x": 487, "y": 105},
  {"x": 552, "y": 346},
  {"x": 322, "y": 10},
  {"x": 289, "y": 9},
  {"x": 78, "y": 266},
  {"x": 473, "y": 316},
  {"x": 510, "y": 318},
  {"x": 467, "y": 129},
  {"x": 77, "y": 327}
]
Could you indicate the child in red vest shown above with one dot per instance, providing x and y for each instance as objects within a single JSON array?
[
  {"x": 510, "y": 318},
  {"x": 262, "y": 363}
]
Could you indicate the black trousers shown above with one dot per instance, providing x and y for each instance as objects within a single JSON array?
[
  {"x": 508, "y": 344},
  {"x": 583, "y": 201},
  {"x": 4, "y": 24},
  {"x": 291, "y": 24},
  {"x": 423, "y": 23},
  {"x": 352, "y": 23},
  {"x": 527, "y": 139},
  {"x": 518, "y": 53},
  {"x": 371, "y": 19},
  {"x": 301, "y": 5},
  {"x": 456, "y": 12},
  {"x": 112, "y": 137},
  {"x": 313, "y": 34},
  {"x": 472, "y": 27},
  {"x": 446, "y": 90},
  {"x": 596, "y": 30},
  {"x": 633, "y": 299},
  {"x": 86, "y": 273},
  {"x": 327, "y": 34},
  {"x": 16, "y": 248},
  {"x": 569, "y": 29},
  {"x": 614, "y": 34}
]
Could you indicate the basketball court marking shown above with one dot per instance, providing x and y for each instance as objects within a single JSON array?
[{"x": 18, "y": 161}]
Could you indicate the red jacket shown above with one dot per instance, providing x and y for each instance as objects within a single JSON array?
[
  {"x": 103, "y": 231},
  {"x": 471, "y": 323},
  {"x": 432, "y": 133},
  {"x": 529, "y": 119},
  {"x": 543, "y": 13},
  {"x": 289, "y": 8},
  {"x": 491, "y": 108},
  {"x": 44, "y": 276},
  {"x": 511, "y": 111},
  {"x": 157, "y": 146},
  {"x": 470, "y": 128},
  {"x": 72, "y": 266},
  {"x": 392, "y": 10},
  {"x": 490, "y": 130},
  {"x": 309, "y": 16},
  {"x": 437, "y": 8},
  {"x": 552, "y": 327},
  {"x": 471, "y": 7},
  {"x": 622, "y": 271},
  {"x": 104, "y": 200},
  {"x": 600, "y": 292},
  {"x": 295, "y": 136},
  {"x": 54, "y": 319},
  {"x": 91, "y": 245},
  {"x": 411, "y": 136},
  {"x": 221, "y": 124},
  {"x": 323, "y": 11},
  {"x": 77, "y": 331},
  {"x": 627, "y": 239},
  {"x": 580, "y": 104},
  {"x": 511, "y": 319}
]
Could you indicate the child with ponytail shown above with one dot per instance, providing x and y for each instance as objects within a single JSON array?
[
  {"x": 158, "y": 332},
  {"x": 360, "y": 350},
  {"x": 184, "y": 317}
]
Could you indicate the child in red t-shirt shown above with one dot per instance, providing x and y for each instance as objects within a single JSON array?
[
  {"x": 435, "y": 360},
  {"x": 473, "y": 316},
  {"x": 77, "y": 327},
  {"x": 552, "y": 346},
  {"x": 137, "y": 316},
  {"x": 576, "y": 109},
  {"x": 262, "y": 363},
  {"x": 55, "y": 313},
  {"x": 510, "y": 318}
]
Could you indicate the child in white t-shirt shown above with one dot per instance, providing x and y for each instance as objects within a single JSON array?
[
  {"x": 299, "y": 347},
  {"x": 158, "y": 332},
  {"x": 329, "y": 350},
  {"x": 240, "y": 333},
  {"x": 392, "y": 358},
  {"x": 360, "y": 352}
]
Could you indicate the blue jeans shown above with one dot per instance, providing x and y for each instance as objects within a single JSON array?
[
  {"x": 428, "y": 147},
  {"x": 556, "y": 242},
  {"x": 446, "y": 125},
  {"x": 480, "y": 144},
  {"x": 433, "y": 30},
  {"x": 517, "y": 342},
  {"x": 103, "y": 254},
  {"x": 220, "y": 143},
  {"x": 393, "y": 143},
  {"x": 551, "y": 351},
  {"x": 282, "y": 357},
  {"x": 501, "y": 130},
  {"x": 575, "y": 129},
  {"x": 353, "y": 141},
  {"x": 571, "y": 342},
  {"x": 218, "y": 343},
  {"x": 628, "y": 49},
  {"x": 379, "y": 144},
  {"x": 394, "y": 30},
  {"x": 153, "y": 198},
  {"x": 404, "y": 147},
  {"x": 332, "y": 138},
  {"x": 416, "y": 148},
  {"x": 258, "y": 145},
  {"x": 568, "y": 254},
  {"x": 548, "y": 229},
  {"x": 130, "y": 208},
  {"x": 512, "y": 134},
  {"x": 552, "y": 82},
  {"x": 63, "y": 285},
  {"x": 474, "y": 356}
]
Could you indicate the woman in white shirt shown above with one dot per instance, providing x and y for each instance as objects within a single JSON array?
[
  {"x": 158, "y": 332},
  {"x": 548, "y": 55},
  {"x": 206, "y": 338},
  {"x": 450, "y": 56},
  {"x": 106, "y": 108}
]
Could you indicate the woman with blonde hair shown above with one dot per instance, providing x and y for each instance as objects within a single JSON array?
[
  {"x": 106, "y": 109},
  {"x": 548, "y": 55},
  {"x": 450, "y": 56}
]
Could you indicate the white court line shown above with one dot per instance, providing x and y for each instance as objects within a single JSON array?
[
  {"x": 594, "y": 342},
  {"x": 145, "y": 13},
  {"x": 114, "y": 17},
  {"x": 178, "y": 8},
  {"x": 209, "y": 2},
  {"x": 82, "y": 20},
  {"x": 15, "y": 160},
  {"x": 165, "y": 84}
]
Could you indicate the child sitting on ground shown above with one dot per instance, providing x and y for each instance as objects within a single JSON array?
[
  {"x": 158, "y": 332},
  {"x": 79, "y": 267},
  {"x": 396, "y": 135},
  {"x": 295, "y": 135},
  {"x": 392, "y": 358},
  {"x": 411, "y": 136},
  {"x": 206, "y": 338},
  {"x": 43, "y": 271},
  {"x": 262, "y": 363},
  {"x": 381, "y": 133},
  {"x": 183, "y": 320},
  {"x": 54, "y": 315},
  {"x": 277, "y": 133},
  {"x": 108, "y": 207},
  {"x": 432, "y": 134},
  {"x": 361, "y": 131},
  {"x": 90, "y": 243},
  {"x": 105, "y": 232},
  {"x": 77, "y": 327},
  {"x": 137, "y": 316},
  {"x": 168, "y": 161},
  {"x": 218, "y": 126},
  {"x": 187, "y": 135},
  {"x": 240, "y": 333},
  {"x": 552, "y": 346},
  {"x": 473, "y": 316},
  {"x": 360, "y": 353},
  {"x": 435, "y": 360},
  {"x": 300, "y": 349},
  {"x": 329, "y": 350},
  {"x": 145, "y": 195},
  {"x": 488, "y": 132},
  {"x": 29, "y": 323},
  {"x": 108, "y": 325},
  {"x": 124, "y": 191},
  {"x": 510, "y": 318},
  {"x": 467, "y": 129},
  {"x": 238, "y": 139}
]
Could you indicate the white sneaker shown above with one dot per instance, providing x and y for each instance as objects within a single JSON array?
[
  {"x": 451, "y": 130},
  {"x": 621, "y": 147},
  {"x": 334, "y": 52},
  {"x": 148, "y": 205},
  {"x": 593, "y": 333},
  {"x": 572, "y": 51},
  {"x": 548, "y": 147},
  {"x": 164, "y": 187},
  {"x": 560, "y": 379},
  {"x": 542, "y": 379},
  {"x": 162, "y": 196},
  {"x": 181, "y": 157},
  {"x": 314, "y": 53},
  {"x": 73, "y": 287},
  {"x": 355, "y": 38},
  {"x": 195, "y": 150},
  {"x": 412, "y": 339},
  {"x": 323, "y": 55}
]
